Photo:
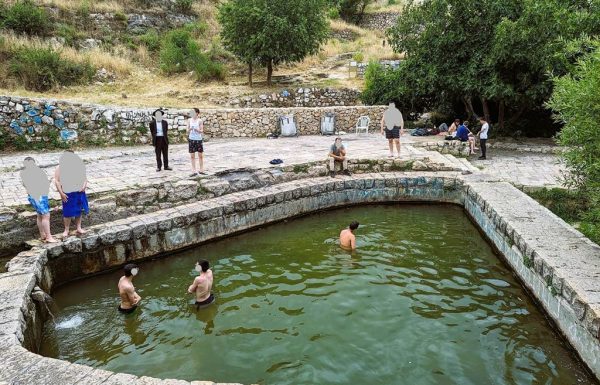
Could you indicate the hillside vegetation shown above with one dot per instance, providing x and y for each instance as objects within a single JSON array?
[{"x": 126, "y": 52}]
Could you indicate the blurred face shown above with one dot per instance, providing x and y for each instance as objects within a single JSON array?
[
  {"x": 28, "y": 163},
  {"x": 338, "y": 143},
  {"x": 158, "y": 116},
  {"x": 193, "y": 113}
]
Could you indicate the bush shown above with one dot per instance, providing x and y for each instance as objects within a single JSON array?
[
  {"x": 207, "y": 69},
  {"x": 353, "y": 10},
  {"x": 184, "y": 5},
  {"x": 26, "y": 17},
  {"x": 178, "y": 52},
  {"x": 69, "y": 33},
  {"x": 391, "y": 2},
  {"x": 41, "y": 69},
  {"x": 333, "y": 13},
  {"x": 151, "y": 40},
  {"x": 358, "y": 57},
  {"x": 121, "y": 17}
]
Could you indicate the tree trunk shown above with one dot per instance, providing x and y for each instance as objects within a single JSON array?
[
  {"x": 269, "y": 72},
  {"x": 468, "y": 107},
  {"x": 250, "y": 73},
  {"x": 486, "y": 109},
  {"x": 501, "y": 115}
]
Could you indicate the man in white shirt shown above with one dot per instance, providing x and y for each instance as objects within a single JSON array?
[{"x": 483, "y": 135}]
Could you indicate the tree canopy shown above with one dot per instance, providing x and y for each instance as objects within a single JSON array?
[
  {"x": 270, "y": 32},
  {"x": 494, "y": 58}
]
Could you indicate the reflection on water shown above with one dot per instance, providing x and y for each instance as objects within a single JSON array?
[{"x": 422, "y": 301}]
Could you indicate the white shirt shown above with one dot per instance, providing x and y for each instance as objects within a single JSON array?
[
  {"x": 195, "y": 130},
  {"x": 483, "y": 134},
  {"x": 159, "y": 131}
]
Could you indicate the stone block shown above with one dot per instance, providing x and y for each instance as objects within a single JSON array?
[
  {"x": 165, "y": 225},
  {"x": 90, "y": 241},
  {"x": 72, "y": 245}
]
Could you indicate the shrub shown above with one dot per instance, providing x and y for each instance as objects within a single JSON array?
[
  {"x": 333, "y": 13},
  {"x": 207, "y": 69},
  {"x": 391, "y": 2},
  {"x": 69, "y": 33},
  {"x": 178, "y": 52},
  {"x": 121, "y": 17},
  {"x": 358, "y": 56},
  {"x": 196, "y": 29},
  {"x": 184, "y": 5},
  {"x": 41, "y": 69},
  {"x": 25, "y": 17},
  {"x": 151, "y": 40}
]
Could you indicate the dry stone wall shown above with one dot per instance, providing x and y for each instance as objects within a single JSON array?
[
  {"x": 300, "y": 97},
  {"x": 36, "y": 120},
  {"x": 379, "y": 21}
]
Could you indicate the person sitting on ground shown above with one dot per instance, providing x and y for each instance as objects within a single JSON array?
[
  {"x": 337, "y": 158},
  {"x": 129, "y": 298},
  {"x": 202, "y": 284},
  {"x": 347, "y": 237},
  {"x": 37, "y": 185},
  {"x": 464, "y": 135}
]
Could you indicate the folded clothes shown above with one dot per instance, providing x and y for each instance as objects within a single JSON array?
[{"x": 276, "y": 161}]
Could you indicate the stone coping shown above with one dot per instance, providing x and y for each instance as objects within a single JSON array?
[
  {"x": 555, "y": 262},
  {"x": 457, "y": 147}
]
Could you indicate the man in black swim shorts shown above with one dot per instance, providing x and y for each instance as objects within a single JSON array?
[
  {"x": 202, "y": 284},
  {"x": 129, "y": 298}
]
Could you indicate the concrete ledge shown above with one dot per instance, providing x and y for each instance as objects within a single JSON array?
[{"x": 555, "y": 262}]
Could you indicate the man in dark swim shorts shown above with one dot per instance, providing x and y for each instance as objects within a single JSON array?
[
  {"x": 129, "y": 298},
  {"x": 202, "y": 284}
]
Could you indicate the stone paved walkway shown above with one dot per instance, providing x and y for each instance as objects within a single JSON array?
[{"x": 120, "y": 168}]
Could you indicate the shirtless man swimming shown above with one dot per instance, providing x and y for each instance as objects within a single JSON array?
[
  {"x": 202, "y": 284},
  {"x": 129, "y": 298},
  {"x": 347, "y": 238}
]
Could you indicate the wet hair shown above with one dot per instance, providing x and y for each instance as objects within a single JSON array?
[
  {"x": 197, "y": 110},
  {"x": 155, "y": 111},
  {"x": 353, "y": 225},
  {"x": 204, "y": 264},
  {"x": 128, "y": 268}
]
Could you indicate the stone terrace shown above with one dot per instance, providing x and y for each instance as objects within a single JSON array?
[{"x": 123, "y": 168}]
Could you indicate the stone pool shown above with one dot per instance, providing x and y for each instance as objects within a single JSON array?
[{"x": 423, "y": 301}]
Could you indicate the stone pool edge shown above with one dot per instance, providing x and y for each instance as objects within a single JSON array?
[{"x": 556, "y": 263}]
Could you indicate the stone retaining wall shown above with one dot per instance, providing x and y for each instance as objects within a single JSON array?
[
  {"x": 379, "y": 21},
  {"x": 17, "y": 225},
  {"x": 458, "y": 148},
  {"x": 44, "y": 120},
  {"x": 556, "y": 263},
  {"x": 299, "y": 97}
]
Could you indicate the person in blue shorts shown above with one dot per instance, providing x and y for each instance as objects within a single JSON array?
[
  {"x": 71, "y": 182},
  {"x": 37, "y": 185}
]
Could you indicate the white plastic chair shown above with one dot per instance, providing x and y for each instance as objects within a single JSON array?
[{"x": 363, "y": 124}]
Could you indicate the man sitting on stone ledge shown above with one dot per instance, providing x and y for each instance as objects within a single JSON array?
[{"x": 337, "y": 158}]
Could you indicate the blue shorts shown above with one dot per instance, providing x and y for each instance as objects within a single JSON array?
[
  {"x": 75, "y": 204},
  {"x": 41, "y": 207}
]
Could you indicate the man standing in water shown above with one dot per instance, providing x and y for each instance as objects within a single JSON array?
[
  {"x": 129, "y": 298},
  {"x": 347, "y": 238},
  {"x": 202, "y": 284}
]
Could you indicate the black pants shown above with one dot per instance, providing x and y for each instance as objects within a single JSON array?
[
  {"x": 161, "y": 146},
  {"x": 483, "y": 149}
]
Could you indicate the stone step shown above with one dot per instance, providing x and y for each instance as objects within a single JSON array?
[{"x": 468, "y": 165}]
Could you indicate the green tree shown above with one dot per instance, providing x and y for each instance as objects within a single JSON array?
[
  {"x": 576, "y": 102},
  {"x": 270, "y": 32},
  {"x": 493, "y": 58}
]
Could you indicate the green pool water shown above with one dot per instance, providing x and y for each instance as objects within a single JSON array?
[{"x": 423, "y": 300}]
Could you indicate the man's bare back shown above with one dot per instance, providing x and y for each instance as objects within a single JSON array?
[
  {"x": 347, "y": 237},
  {"x": 202, "y": 285}
]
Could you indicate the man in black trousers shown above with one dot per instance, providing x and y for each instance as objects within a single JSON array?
[{"x": 160, "y": 140}]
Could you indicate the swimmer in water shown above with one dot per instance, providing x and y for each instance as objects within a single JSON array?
[
  {"x": 347, "y": 238},
  {"x": 202, "y": 284},
  {"x": 129, "y": 298}
]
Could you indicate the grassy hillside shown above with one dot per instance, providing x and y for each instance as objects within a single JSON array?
[{"x": 101, "y": 34}]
